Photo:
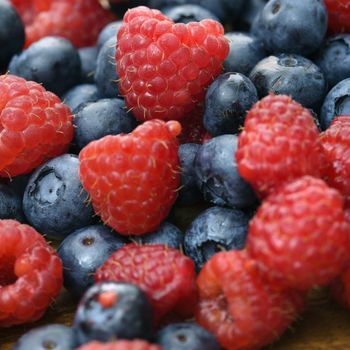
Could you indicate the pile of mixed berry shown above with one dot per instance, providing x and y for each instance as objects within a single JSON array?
[{"x": 114, "y": 114}]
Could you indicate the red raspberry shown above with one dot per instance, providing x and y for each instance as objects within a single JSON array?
[
  {"x": 338, "y": 15},
  {"x": 30, "y": 274},
  {"x": 279, "y": 143},
  {"x": 239, "y": 307},
  {"x": 34, "y": 126},
  {"x": 164, "y": 68},
  {"x": 299, "y": 234},
  {"x": 336, "y": 143},
  {"x": 120, "y": 345},
  {"x": 133, "y": 179},
  {"x": 164, "y": 274}
]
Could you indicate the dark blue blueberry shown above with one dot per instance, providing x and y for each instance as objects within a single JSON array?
[
  {"x": 291, "y": 75},
  {"x": 106, "y": 77},
  {"x": 10, "y": 203},
  {"x": 217, "y": 174},
  {"x": 129, "y": 317},
  {"x": 227, "y": 101},
  {"x": 88, "y": 57},
  {"x": 214, "y": 230},
  {"x": 291, "y": 26},
  {"x": 167, "y": 234},
  {"x": 245, "y": 52},
  {"x": 81, "y": 94},
  {"x": 334, "y": 59},
  {"x": 54, "y": 201},
  {"x": 337, "y": 102},
  {"x": 109, "y": 31},
  {"x": 52, "y": 61},
  {"x": 188, "y": 13},
  {"x": 83, "y": 251},
  {"x": 186, "y": 336},
  {"x": 11, "y": 33},
  {"x": 250, "y": 11},
  {"x": 103, "y": 117},
  {"x": 53, "y": 336},
  {"x": 189, "y": 193}
]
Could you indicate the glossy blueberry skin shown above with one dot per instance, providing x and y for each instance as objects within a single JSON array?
[
  {"x": 291, "y": 75},
  {"x": 88, "y": 57},
  {"x": 291, "y": 26},
  {"x": 103, "y": 117},
  {"x": 245, "y": 52},
  {"x": 109, "y": 31},
  {"x": 80, "y": 94},
  {"x": 189, "y": 193},
  {"x": 188, "y": 13},
  {"x": 217, "y": 174},
  {"x": 53, "y": 336},
  {"x": 83, "y": 251},
  {"x": 167, "y": 234},
  {"x": 337, "y": 102},
  {"x": 11, "y": 203},
  {"x": 54, "y": 201},
  {"x": 106, "y": 76},
  {"x": 213, "y": 230},
  {"x": 227, "y": 101},
  {"x": 334, "y": 59},
  {"x": 52, "y": 61},
  {"x": 186, "y": 336},
  {"x": 129, "y": 317},
  {"x": 11, "y": 33}
]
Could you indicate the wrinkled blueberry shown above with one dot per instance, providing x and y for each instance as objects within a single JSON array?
[{"x": 81, "y": 94}]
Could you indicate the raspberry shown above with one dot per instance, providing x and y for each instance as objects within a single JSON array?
[
  {"x": 30, "y": 274},
  {"x": 120, "y": 345},
  {"x": 279, "y": 143},
  {"x": 338, "y": 15},
  {"x": 239, "y": 307},
  {"x": 35, "y": 126},
  {"x": 336, "y": 145},
  {"x": 133, "y": 179},
  {"x": 299, "y": 234},
  {"x": 78, "y": 21},
  {"x": 164, "y": 68},
  {"x": 164, "y": 274}
]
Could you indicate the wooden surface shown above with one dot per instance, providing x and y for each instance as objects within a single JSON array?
[{"x": 323, "y": 326}]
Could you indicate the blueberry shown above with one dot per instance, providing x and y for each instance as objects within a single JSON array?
[
  {"x": 54, "y": 201},
  {"x": 83, "y": 251},
  {"x": 334, "y": 59},
  {"x": 52, "y": 61},
  {"x": 167, "y": 234},
  {"x": 245, "y": 52},
  {"x": 188, "y": 13},
  {"x": 88, "y": 57},
  {"x": 81, "y": 94},
  {"x": 291, "y": 26},
  {"x": 103, "y": 117},
  {"x": 227, "y": 101},
  {"x": 212, "y": 231},
  {"x": 291, "y": 75},
  {"x": 189, "y": 193},
  {"x": 250, "y": 10},
  {"x": 106, "y": 77},
  {"x": 186, "y": 336},
  {"x": 337, "y": 102},
  {"x": 217, "y": 174},
  {"x": 11, "y": 33},
  {"x": 10, "y": 203},
  {"x": 109, "y": 31},
  {"x": 53, "y": 336},
  {"x": 112, "y": 310}
]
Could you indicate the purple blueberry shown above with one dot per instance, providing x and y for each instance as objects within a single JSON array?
[
  {"x": 214, "y": 230},
  {"x": 54, "y": 201},
  {"x": 188, "y": 13},
  {"x": 128, "y": 316},
  {"x": 83, "y": 251},
  {"x": 81, "y": 94},
  {"x": 227, "y": 101},
  {"x": 88, "y": 57}
]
